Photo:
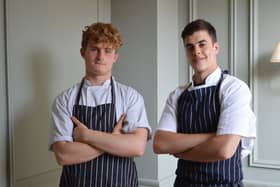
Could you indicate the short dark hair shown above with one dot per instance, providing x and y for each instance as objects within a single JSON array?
[{"x": 198, "y": 25}]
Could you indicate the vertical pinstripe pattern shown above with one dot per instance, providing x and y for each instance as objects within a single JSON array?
[
  {"x": 198, "y": 112},
  {"x": 106, "y": 170}
]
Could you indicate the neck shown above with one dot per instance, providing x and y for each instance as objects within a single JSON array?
[
  {"x": 97, "y": 80},
  {"x": 200, "y": 77}
]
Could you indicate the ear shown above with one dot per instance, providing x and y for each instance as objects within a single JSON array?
[
  {"x": 216, "y": 47},
  {"x": 116, "y": 56},
  {"x": 82, "y": 52}
]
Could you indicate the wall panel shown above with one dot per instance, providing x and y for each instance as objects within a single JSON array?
[
  {"x": 265, "y": 82},
  {"x": 43, "y": 59},
  {"x": 247, "y": 32},
  {"x": 4, "y": 163},
  {"x": 217, "y": 12}
]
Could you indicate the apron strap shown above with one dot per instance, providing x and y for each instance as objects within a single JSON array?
[
  {"x": 221, "y": 80},
  {"x": 80, "y": 91},
  {"x": 113, "y": 91}
]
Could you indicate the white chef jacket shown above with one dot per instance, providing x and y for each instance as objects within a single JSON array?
[
  {"x": 128, "y": 101},
  {"x": 236, "y": 115}
]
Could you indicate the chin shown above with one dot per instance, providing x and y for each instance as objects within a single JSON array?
[{"x": 200, "y": 68}]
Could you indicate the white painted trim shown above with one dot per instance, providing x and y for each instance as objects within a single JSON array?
[
  {"x": 51, "y": 176},
  {"x": 165, "y": 182},
  {"x": 168, "y": 181},
  {"x": 4, "y": 85},
  {"x": 192, "y": 10},
  {"x": 9, "y": 101},
  {"x": 254, "y": 160},
  {"x": 192, "y": 16},
  {"x": 249, "y": 183},
  {"x": 104, "y": 10},
  {"x": 232, "y": 38},
  {"x": 251, "y": 64},
  {"x": 264, "y": 163},
  {"x": 148, "y": 182}
]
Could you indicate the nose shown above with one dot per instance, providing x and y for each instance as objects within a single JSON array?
[
  {"x": 100, "y": 54},
  {"x": 197, "y": 50}
]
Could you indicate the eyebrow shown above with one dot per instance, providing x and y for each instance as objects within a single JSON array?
[
  {"x": 192, "y": 44},
  {"x": 95, "y": 46}
]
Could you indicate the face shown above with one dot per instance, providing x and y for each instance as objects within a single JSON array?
[
  {"x": 201, "y": 53},
  {"x": 99, "y": 59}
]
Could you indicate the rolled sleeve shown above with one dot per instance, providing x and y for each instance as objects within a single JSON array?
[
  {"x": 136, "y": 116},
  {"x": 168, "y": 119},
  {"x": 62, "y": 126},
  {"x": 236, "y": 115}
]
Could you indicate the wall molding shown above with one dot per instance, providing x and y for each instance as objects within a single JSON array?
[
  {"x": 145, "y": 182},
  {"x": 165, "y": 182},
  {"x": 103, "y": 11},
  {"x": 192, "y": 9},
  {"x": 103, "y": 14},
  {"x": 48, "y": 178},
  {"x": 249, "y": 183},
  {"x": 11, "y": 150},
  {"x": 232, "y": 37},
  {"x": 254, "y": 160},
  {"x": 5, "y": 138},
  {"x": 148, "y": 182}
]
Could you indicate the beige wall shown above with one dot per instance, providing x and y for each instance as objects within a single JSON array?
[
  {"x": 43, "y": 39},
  {"x": 137, "y": 61},
  {"x": 43, "y": 59},
  {"x": 247, "y": 31}
]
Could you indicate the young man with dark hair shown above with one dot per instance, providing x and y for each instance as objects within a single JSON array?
[{"x": 208, "y": 124}]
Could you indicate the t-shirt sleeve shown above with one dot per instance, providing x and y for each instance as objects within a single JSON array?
[
  {"x": 136, "y": 116},
  {"x": 236, "y": 115},
  {"x": 168, "y": 119},
  {"x": 61, "y": 126}
]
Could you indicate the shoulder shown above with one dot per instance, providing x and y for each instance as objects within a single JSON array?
[
  {"x": 176, "y": 93},
  {"x": 126, "y": 92},
  {"x": 233, "y": 85},
  {"x": 68, "y": 94},
  {"x": 232, "y": 80},
  {"x": 125, "y": 88}
]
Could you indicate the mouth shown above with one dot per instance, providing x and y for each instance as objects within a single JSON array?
[
  {"x": 200, "y": 59},
  {"x": 100, "y": 63}
]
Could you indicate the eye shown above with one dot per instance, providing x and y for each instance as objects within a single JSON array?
[
  {"x": 109, "y": 50},
  {"x": 189, "y": 47},
  {"x": 202, "y": 45},
  {"x": 93, "y": 49}
]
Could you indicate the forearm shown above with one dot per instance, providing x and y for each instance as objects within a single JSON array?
[
  {"x": 171, "y": 142},
  {"x": 126, "y": 145},
  {"x": 68, "y": 153},
  {"x": 220, "y": 147}
]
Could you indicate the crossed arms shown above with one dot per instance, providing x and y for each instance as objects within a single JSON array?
[
  {"x": 90, "y": 144},
  {"x": 204, "y": 147},
  {"x": 236, "y": 120}
]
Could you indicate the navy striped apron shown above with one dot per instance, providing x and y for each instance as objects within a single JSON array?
[
  {"x": 106, "y": 170},
  {"x": 198, "y": 112}
]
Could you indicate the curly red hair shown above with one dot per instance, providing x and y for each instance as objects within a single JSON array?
[{"x": 101, "y": 33}]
